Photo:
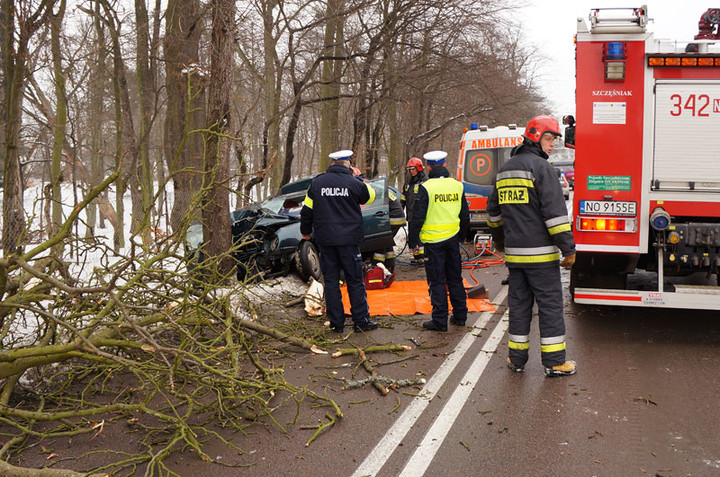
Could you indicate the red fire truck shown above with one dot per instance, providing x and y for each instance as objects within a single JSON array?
[
  {"x": 482, "y": 151},
  {"x": 647, "y": 174}
]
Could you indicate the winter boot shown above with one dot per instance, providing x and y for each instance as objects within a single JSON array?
[{"x": 565, "y": 369}]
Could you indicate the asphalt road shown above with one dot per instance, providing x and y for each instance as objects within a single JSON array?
[{"x": 643, "y": 402}]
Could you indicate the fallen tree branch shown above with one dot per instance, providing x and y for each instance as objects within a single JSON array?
[{"x": 370, "y": 349}]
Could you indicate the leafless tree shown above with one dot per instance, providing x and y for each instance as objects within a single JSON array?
[
  {"x": 20, "y": 26},
  {"x": 216, "y": 218}
]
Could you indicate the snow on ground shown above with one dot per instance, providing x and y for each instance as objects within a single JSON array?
[{"x": 90, "y": 263}]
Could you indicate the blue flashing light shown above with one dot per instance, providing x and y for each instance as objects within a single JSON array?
[
  {"x": 615, "y": 50},
  {"x": 473, "y": 126}
]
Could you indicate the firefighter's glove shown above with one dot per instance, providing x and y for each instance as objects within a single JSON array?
[{"x": 568, "y": 262}]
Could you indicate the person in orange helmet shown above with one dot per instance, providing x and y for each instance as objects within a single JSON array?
[{"x": 415, "y": 177}]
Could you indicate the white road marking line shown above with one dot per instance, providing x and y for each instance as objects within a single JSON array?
[
  {"x": 425, "y": 452},
  {"x": 387, "y": 445}
]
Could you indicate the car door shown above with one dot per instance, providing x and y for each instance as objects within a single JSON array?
[{"x": 376, "y": 218}]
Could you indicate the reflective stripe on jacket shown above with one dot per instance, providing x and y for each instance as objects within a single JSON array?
[
  {"x": 527, "y": 205},
  {"x": 442, "y": 219},
  {"x": 397, "y": 215},
  {"x": 421, "y": 210},
  {"x": 332, "y": 207}
]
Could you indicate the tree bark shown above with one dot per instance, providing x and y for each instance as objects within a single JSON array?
[
  {"x": 97, "y": 89},
  {"x": 126, "y": 154},
  {"x": 60, "y": 123},
  {"x": 271, "y": 89},
  {"x": 14, "y": 61},
  {"x": 147, "y": 97},
  {"x": 330, "y": 78},
  {"x": 185, "y": 106},
  {"x": 216, "y": 206}
]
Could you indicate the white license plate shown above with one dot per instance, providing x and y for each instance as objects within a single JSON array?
[{"x": 608, "y": 207}]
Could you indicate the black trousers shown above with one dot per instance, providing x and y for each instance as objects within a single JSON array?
[
  {"x": 541, "y": 285},
  {"x": 348, "y": 259},
  {"x": 443, "y": 268}
]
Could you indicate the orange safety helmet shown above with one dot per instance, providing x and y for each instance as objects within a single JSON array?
[
  {"x": 540, "y": 125},
  {"x": 416, "y": 163}
]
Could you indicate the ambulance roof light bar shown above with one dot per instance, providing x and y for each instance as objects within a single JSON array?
[{"x": 601, "y": 22}]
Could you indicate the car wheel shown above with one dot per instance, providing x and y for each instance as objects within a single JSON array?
[{"x": 307, "y": 261}]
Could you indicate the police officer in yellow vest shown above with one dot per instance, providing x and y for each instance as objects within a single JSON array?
[{"x": 440, "y": 216}]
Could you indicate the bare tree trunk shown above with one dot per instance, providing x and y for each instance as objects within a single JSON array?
[
  {"x": 119, "y": 235},
  {"x": 185, "y": 106},
  {"x": 14, "y": 61},
  {"x": 97, "y": 80},
  {"x": 330, "y": 78},
  {"x": 291, "y": 131},
  {"x": 271, "y": 88},
  {"x": 147, "y": 94},
  {"x": 216, "y": 207},
  {"x": 5, "y": 30},
  {"x": 60, "y": 124},
  {"x": 127, "y": 151}
]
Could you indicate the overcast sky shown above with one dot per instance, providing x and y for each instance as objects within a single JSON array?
[{"x": 551, "y": 24}]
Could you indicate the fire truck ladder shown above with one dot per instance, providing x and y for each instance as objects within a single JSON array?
[{"x": 615, "y": 20}]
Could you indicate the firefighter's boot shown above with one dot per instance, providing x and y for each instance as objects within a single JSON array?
[
  {"x": 515, "y": 367},
  {"x": 565, "y": 369}
]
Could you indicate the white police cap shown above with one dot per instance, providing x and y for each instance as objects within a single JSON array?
[
  {"x": 435, "y": 157},
  {"x": 343, "y": 155}
]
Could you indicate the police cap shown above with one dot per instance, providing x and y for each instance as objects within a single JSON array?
[
  {"x": 435, "y": 157},
  {"x": 343, "y": 155}
]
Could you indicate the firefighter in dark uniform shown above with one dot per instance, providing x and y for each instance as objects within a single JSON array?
[
  {"x": 332, "y": 211},
  {"x": 397, "y": 220},
  {"x": 440, "y": 216},
  {"x": 415, "y": 177},
  {"x": 528, "y": 217}
]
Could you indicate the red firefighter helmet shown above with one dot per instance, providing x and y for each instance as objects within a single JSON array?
[
  {"x": 416, "y": 163},
  {"x": 540, "y": 125}
]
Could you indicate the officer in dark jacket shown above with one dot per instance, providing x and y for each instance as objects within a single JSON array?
[
  {"x": 529, "y": 219},
  {"x": 332, "y": 211},
  {"x": 440, "y": 216},
  {"x": 415, "y": 177},
  {"x": 397, "y": 220}
]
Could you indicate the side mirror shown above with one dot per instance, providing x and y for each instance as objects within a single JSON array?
[
  {"x": 570, "y": 137},
  {"x": 569, "y": 121}
]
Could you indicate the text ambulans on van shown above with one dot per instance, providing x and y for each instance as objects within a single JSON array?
[{"x": 482, "y": 151}]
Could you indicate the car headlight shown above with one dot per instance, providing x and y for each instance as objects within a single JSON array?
[
  {"x": 274, "y": 243},
  {"x": 194, "y": 236}
]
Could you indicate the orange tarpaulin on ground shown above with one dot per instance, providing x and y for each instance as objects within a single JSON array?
[{"x": 408, "y": 298}]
